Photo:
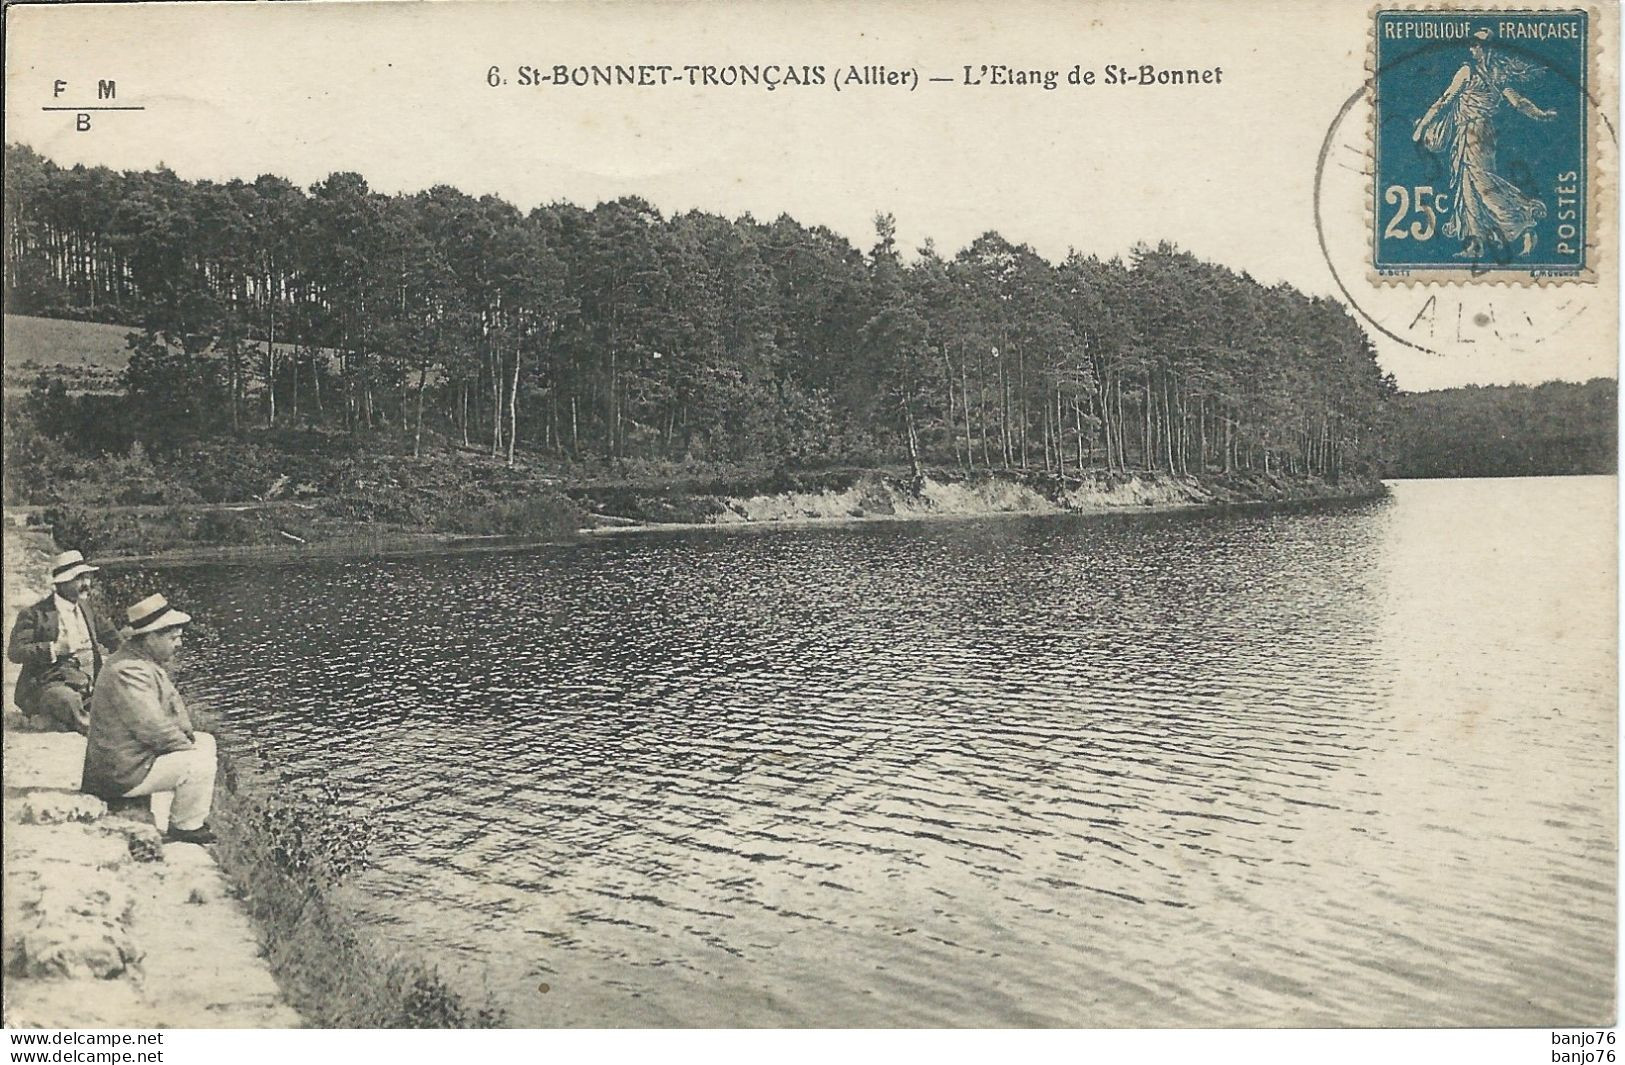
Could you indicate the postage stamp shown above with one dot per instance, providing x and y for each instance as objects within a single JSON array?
[{"x": 1481, "y": 145}]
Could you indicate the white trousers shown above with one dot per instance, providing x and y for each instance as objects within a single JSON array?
[{"x": 181, "y": 785}]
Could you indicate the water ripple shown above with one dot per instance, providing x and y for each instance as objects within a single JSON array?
[{"x": 1336, "y": 765}]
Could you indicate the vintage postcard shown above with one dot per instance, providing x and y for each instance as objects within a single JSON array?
[{"x": 1080, "y": 515}]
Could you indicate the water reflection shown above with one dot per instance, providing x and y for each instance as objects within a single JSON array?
[{"x": 1340, "y": 765}]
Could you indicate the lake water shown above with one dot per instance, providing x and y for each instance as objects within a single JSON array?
[{"x": 1346, "y": 764}]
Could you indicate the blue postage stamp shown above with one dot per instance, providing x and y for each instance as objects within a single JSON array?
[{"x": 1481, "y": 128}]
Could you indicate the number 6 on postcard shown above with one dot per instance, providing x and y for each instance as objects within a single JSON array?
[{"x": 1482, "y": 140}]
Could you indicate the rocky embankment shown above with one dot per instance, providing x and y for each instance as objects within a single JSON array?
[{"x": 105, "y": 925}]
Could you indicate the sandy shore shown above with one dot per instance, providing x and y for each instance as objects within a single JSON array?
[
  {"x": 798, "y": 514},
  {"x": 871, "y": 499}
]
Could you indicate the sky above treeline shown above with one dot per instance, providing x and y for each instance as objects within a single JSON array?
[{"x": 403, "y": 94}]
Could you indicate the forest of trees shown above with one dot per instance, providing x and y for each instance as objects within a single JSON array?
[
  {"x": 620, "y": 334},
  {"x": 1506, "y": 431}
]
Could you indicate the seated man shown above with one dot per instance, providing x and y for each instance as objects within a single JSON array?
[
  {"x": 56, "y": 642},
  {"x": 141, "y": 738}
]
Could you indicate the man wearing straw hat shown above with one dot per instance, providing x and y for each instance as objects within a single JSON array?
[
  {"x": 141, "y": 738},
  {"x": 58, "y": 643}
]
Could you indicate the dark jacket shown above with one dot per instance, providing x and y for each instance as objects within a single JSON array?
[
  {"x": 135, "y": 716},
  {"x": 32, "y": 635}
]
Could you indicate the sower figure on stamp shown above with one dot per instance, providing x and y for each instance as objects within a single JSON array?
[
  {"x": 1487, "y": 208},
  {"x": 141, "y": 740},
  {"x": 58, "y": 641}
]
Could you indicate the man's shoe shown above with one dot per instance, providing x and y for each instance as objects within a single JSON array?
[{"x": 198, "y": 835}]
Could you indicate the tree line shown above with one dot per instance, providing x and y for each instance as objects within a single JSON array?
[
  {"x": 1506, "y": 430},
  {"x": 616, "y": 332}
]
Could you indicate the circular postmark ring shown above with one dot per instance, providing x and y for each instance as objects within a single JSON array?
[{"x": 1497, "y": 300}]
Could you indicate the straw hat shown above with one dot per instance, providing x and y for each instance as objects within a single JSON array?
[
  {"x": 69, "y": 565},
  {"x": 154, "y": 614}
]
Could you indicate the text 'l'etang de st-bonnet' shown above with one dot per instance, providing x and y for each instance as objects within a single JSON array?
[{"x": 544, "y": 516}]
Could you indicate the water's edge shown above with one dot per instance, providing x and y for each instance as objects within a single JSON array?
[
  {"x": 869, "y": 497},
  {"x": 60, "y": 841},
  {"x": 284, "y": 951}
]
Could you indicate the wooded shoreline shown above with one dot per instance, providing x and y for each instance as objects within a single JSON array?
[{"x": 622, "y": 334}]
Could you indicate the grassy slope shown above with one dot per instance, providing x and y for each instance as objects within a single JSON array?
[{"x": 90, "y": 355}]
